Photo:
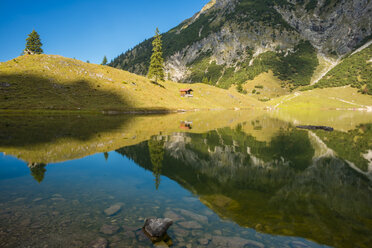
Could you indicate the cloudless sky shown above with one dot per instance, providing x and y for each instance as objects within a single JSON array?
[{"x": 88, "y": 29}]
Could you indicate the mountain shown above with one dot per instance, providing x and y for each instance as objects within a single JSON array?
[{"x": 232, "y": 41}]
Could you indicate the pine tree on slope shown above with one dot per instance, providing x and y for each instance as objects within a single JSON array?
[
  {"x": 33, "y": 44},
  {"x": 156, "y": 70}
]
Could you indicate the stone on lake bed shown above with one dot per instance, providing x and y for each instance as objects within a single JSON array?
[
  {"x": 157, "y": 228},
  {"x": 114, "y": 209},
  {"x": 180, "y": 232},
  {"x": 172, "y": 215},
  {"x": 235, "y": 242},
  {"x": 190, "y": 225},
  {"x": 194, "y": 216},
  {"x": 99, "y": 243},
  {"x": 109, "y": 229}
]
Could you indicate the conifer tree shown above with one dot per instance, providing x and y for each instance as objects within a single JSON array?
[
  {"x": 156, "y": 150},
  {"x": 156, "y": 70},
  {"x": 33, "y": 43},
  {"x": 104, "y": 61}
]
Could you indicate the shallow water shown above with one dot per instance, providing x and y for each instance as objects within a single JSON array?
[{"x": 227, "y": 179}]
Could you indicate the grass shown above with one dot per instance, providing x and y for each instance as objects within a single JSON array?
[
  {"x": 267, "y": 84},
  {"x": 355, "y": 70},
  {"x": 327, "y": 98},
  {"x": 46, "y": 82},
  {"x": 294, "y": 69},
  {"x": 53, "y": 83}
]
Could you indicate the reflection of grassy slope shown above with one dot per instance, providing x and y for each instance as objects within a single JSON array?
[
  {"x": 55, "y": 138},
  {"x": 54, "y": 82},
  {"x": 339, "y": 120},
  {"x": 350, "y": 145},
  {"x": 274, "y": 199}
]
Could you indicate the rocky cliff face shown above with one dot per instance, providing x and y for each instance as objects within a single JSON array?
[
  {"x": 230, "y": 41},
  {"x": 336, "y": 27}
]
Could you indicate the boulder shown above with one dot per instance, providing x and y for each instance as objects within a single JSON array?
[{"x": 157, "y": 228}]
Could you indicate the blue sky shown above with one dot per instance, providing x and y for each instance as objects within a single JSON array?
[{"x": 88, "y": 29}]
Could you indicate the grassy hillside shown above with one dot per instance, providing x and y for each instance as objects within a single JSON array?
[
  {"x": 355, "y": 70},
  {"x": 266, "y": 86},
  {"x": 329, "y": 98},
  {"x": 46, "y": 82}
]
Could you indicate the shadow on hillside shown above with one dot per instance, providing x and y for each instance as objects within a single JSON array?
[
  {"x": 157, "y": 84},
  {"x": 24, "y": 91},
  {"x": 29, "y": 92}
]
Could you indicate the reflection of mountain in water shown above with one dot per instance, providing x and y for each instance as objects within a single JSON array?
[{"x": 290, "y": 185}]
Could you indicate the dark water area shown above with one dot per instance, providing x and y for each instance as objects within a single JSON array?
[{"x": 249, "y": 181}]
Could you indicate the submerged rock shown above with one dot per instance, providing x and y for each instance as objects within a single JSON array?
[
  {"x": 157, "y": 228},
  {"x": 172, "y": 215},
  {"x": 98, "y": 243},
  {"x": 190, "y": 225},
  {"x": 109, "y": 229},
  {"x": 329, "y": 129},
  {"x": 114, "y": 209},
  {"x": 235, "y": 242},
  {"x": 194, "y": 216}
]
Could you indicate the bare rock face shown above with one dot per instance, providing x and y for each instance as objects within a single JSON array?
[
  {"x": 157, "y": 228},
  {"x": 229, "y": 34},
  {"x": 337, "y": 28}
]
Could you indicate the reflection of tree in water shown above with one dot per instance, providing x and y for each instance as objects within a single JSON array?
[
  {"x": 156, "y": 150},
  {"x": 106, "y": 155},
  {"x": 37, "y": 171}
]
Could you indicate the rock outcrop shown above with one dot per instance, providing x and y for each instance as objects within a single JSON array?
[{"x": 227, "y": 36}]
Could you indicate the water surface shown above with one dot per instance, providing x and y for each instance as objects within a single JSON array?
[{"x": 227, "y": 179}]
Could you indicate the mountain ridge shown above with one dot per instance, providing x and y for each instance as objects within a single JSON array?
[{"x": 230, "y": 42}]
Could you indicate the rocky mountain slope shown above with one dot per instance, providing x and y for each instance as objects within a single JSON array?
[{"x": 231, "y": 41}]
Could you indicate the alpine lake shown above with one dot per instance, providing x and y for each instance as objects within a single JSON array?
[{"x": 226, "y": 178}]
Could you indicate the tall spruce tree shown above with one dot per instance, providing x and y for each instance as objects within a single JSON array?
[
  {"x": 156, "y": 70},
  {"x": 33, "y": 43},
  {"x": 104, "y": 61}
]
